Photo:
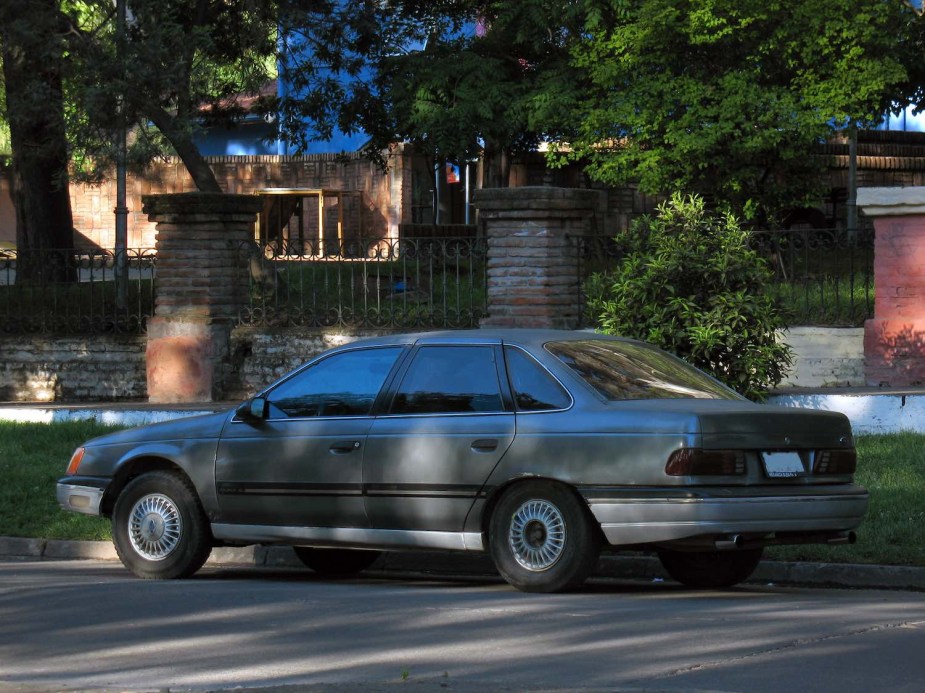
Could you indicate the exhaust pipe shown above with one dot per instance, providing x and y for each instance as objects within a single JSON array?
[
  {"x": 842, "y": 538},
  {"x": 729, "y": 543}
]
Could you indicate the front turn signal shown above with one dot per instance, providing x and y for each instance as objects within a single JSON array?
[{"x": 74, "y": 464}]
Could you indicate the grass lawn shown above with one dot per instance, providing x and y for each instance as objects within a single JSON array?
[{"x": 892, "y": 467}]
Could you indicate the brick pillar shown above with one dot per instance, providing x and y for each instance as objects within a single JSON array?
[
  {"x": 202, "y": 284},
  {"x": 894, "y": 340},
  {"x": 532, "y": 264}
]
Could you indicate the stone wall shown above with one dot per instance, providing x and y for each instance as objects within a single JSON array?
[
  {"x": 260, "y": 358},
  {"x": 42, "y": 369},
  {"x": 102, "y": 369},
  {"x": 38, "y": 368}
]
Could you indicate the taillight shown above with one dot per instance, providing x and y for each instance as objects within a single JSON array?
[
  {"x": 75, "y": 461},
  {"x": 839, "y": 461},
  {"x": 697, "y": 462}
]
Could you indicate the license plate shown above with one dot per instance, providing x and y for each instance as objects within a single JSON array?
[{"x": 782, "y": 465}]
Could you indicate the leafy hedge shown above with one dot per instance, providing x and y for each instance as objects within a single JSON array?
[{"x": 690, "y": 284}]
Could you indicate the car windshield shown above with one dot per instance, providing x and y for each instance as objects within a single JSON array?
[{"x": 625, "y": 370}]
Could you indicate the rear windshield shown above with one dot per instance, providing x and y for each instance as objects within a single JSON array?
[{"x": 625, "y": 370}]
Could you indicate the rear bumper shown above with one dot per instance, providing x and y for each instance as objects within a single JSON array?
[{"x": 653, "y": 516}]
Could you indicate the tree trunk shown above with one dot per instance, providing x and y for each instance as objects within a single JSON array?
[
  {"x": 32, "y": 70},
  {"x": 200, "y": 171}
]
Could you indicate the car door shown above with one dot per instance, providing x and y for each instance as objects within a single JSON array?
[
  {"x": 301, "y": 464},
  {"x": 445, "y": 427}
]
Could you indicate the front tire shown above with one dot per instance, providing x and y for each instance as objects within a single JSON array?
[
  {"x": 159, "y": 528},
  {"x": 542, "y": 538},
  {"x": 710, "y": 569},
  {"x": 336, "y": 562}
]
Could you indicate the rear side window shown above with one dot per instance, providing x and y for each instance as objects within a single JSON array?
[
  {"x": 450, "y": 380},
  {"x": 345, "y": 384},
  {"x": 629, "y": 370},
  {"x": 534, "y": 387}
]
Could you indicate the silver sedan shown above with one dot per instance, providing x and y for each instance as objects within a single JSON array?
[{"x": 542, "y": 448}]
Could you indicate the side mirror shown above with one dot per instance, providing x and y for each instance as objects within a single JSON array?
[{"x": 253, "y": 410}]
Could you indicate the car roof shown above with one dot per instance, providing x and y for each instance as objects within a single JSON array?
[{"x": 521, "y": 336}]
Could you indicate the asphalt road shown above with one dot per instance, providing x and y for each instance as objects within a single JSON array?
[{"x": 89, "y": 625}]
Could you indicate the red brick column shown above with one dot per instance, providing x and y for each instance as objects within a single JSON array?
[
  {"x": 894, "y": 340},
  {"x": 532, "y": 263},
  {"x": 202, "y": 283}
]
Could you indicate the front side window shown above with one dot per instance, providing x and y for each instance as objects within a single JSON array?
[
  {"x": 345, "y": 384},
  {"x": 626, "y": 370},
  {"x": 450, "y": 380}
]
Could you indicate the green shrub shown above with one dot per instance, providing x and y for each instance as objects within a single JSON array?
[{"x": 689, "y": 283}]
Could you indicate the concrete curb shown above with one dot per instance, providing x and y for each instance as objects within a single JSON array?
[{"x": 436, "y": 563}]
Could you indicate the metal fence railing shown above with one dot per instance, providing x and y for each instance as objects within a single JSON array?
[
  {"x": 75, "y": 291},
  {"x": 820, "y": 276},
  {"x": 412, "y": 283}
]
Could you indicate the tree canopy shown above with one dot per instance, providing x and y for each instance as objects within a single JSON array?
[
  {"x": 478, "y": 88},
  {"x": 727, "y": 97},
  {"x": 718, "y": 97}
]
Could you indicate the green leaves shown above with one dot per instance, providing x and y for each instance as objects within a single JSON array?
[
  {"x": 690, "y": 284},
  {"x": 727, "y": 97}
]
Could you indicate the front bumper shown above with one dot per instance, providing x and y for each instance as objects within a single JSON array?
[
  {"x": 79, "y": 498},
  {"x": 651, "y": 516}
]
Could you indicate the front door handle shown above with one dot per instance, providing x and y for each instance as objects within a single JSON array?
[
  {"x": 343, "y": 447},
  {"x": 485, "y": 445}
]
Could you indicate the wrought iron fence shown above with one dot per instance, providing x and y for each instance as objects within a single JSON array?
[
  {"x": 75, "y": 292},
  {"x": 820, "y": 276},
  {"x": 411, "y": 283}
]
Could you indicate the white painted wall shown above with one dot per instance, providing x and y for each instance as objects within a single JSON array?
[
  {"x": 869, "y": 412},
  {"x": 825, "y": 357}
]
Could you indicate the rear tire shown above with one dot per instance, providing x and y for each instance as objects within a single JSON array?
[
  {"x": 542, "y": 538},
  {"x": 710, "y": 569},
  {"x": 159, "y": 528},
  {"x": 336, "y": 562}
]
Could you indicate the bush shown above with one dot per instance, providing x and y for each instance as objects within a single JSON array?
[{"x": 689, "y": 283}]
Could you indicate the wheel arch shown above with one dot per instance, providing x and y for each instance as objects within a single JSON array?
[
  {"x": 498, "y": 492},
  {"x": 134, "y": 468}
]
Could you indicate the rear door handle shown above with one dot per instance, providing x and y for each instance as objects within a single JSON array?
[
  {"x": 343, "y": 447},
  {"x": 485, "y": 445}
]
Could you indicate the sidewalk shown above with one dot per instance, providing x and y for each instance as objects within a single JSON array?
[{"x": 461, "y": 565}]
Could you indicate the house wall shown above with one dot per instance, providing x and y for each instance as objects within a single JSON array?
[{"x": 386, "y": 195}]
